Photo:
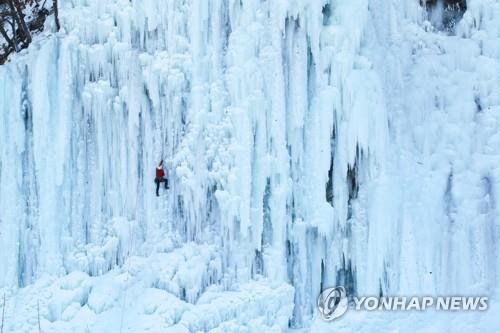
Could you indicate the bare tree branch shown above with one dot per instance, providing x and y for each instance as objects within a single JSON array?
[
  {"x": 17, "y": 9},
  {"x": 56, "y": 14},
  {"x": 16, "y": 27}
]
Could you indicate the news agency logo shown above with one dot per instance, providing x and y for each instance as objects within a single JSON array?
[{"x": 333, "y": 303}]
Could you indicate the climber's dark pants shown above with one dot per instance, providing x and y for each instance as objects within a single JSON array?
[{"x": 158, "y": 181}]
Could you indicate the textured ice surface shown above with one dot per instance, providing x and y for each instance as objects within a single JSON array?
[
  {"x": 308, "y": 143},
  {"x": 152, "y": 294}
]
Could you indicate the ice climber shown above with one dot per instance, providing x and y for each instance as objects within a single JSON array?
[{"x": 160, "y": 178}]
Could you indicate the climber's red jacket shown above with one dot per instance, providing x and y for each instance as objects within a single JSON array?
[{"x": 159, "y": 172}]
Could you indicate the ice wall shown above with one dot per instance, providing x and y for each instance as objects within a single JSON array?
[{"x": 312, "y": 142}]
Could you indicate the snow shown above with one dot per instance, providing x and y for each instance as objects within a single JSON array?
[
  {"x": 150, "y": 294},
  {"x": 307, "y": 143}
]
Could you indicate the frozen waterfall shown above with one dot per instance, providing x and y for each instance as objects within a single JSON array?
[{"x": 308, "y": 144}]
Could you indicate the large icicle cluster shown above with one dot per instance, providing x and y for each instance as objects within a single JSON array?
[{"x": 313, "y": 143}]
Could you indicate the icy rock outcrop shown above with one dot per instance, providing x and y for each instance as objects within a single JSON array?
[{"x": 445, "y": 14}]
